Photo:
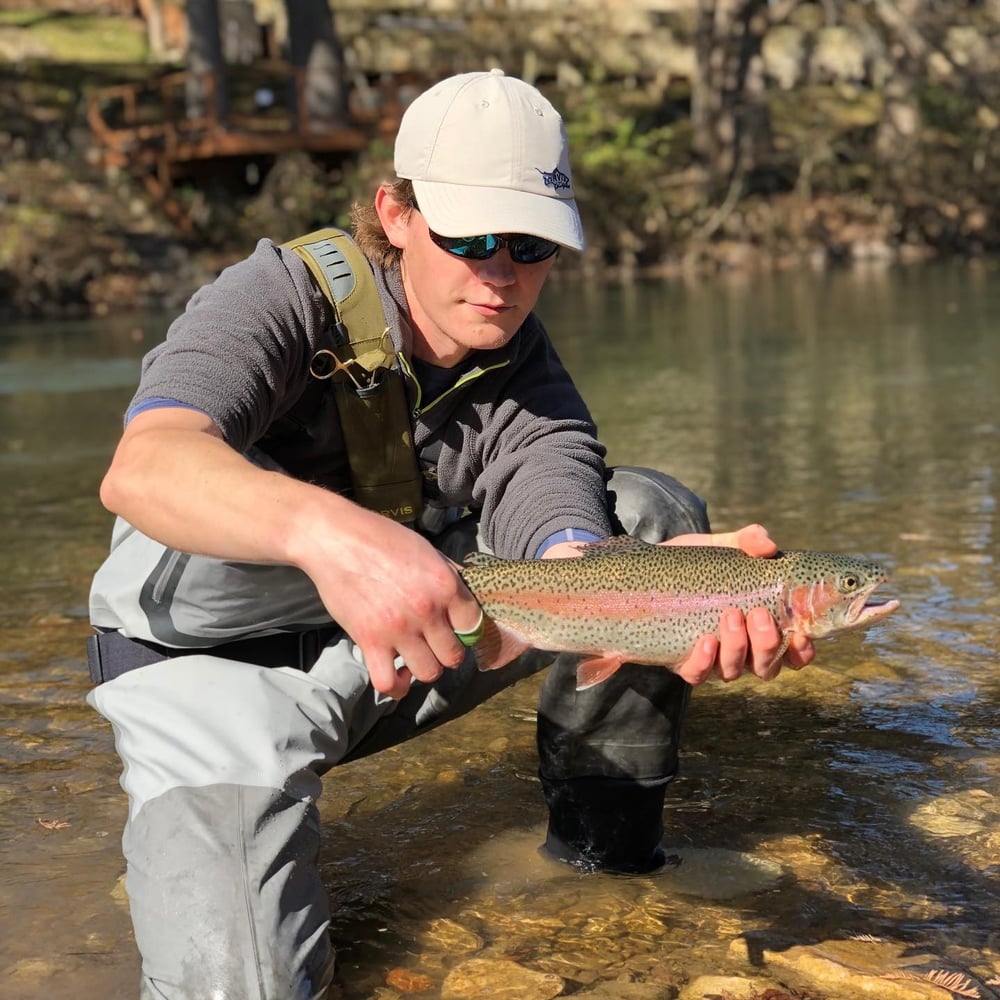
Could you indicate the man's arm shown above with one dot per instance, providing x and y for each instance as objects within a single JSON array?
[{"x": 175, "y": 479}]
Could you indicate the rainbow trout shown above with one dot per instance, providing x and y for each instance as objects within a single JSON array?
[{"x": 627, "y": 601}]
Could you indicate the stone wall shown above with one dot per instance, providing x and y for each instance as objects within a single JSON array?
[
  {"x": 646, "y": 43},
  {"x": 640, "y": 42}
]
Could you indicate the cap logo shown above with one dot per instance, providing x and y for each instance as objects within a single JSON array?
[{"x": 555, "y": 179}]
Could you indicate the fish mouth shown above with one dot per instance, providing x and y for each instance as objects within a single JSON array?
[{"x": 864, "y": 610}]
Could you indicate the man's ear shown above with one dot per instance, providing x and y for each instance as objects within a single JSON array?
[{"x": 394, "y": 216}]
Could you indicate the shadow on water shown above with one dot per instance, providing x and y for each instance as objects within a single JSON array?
[
  {"x": 858, "y": 797},
  {"x": 817, "y": 796}
]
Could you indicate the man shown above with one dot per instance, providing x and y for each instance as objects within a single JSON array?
[{"x": 259, "y": 626}]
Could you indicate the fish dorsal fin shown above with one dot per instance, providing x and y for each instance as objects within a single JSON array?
[
  {"x": 609, "y": 546},
  {"x": 479, "y": 559}
]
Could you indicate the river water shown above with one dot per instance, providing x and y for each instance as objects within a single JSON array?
[{"x": 859, "y": 798}]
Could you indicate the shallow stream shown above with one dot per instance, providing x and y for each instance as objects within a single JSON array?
[{"x": 855, "y": 801}]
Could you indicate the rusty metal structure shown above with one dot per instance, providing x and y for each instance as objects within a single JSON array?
[{"x": 148, "y": 128}]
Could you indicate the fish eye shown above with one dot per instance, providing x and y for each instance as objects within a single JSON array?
[{"x": 849, "y": 581}]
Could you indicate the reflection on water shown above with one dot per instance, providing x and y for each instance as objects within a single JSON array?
[{"x": 854, "y": 412}]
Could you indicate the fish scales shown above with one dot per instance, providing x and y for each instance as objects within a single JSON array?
[
  {"x": 681, "y": 597},
  {"x": 629, "y": 601}
]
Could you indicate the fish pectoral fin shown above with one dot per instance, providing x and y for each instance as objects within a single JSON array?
[
  {"x": 498, "y": 646},
  {"x": 782, "y": 649},
  {"x": 595, "y": 669}
]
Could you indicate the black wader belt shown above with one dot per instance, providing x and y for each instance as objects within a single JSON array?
[{"x": 111, "y": 654}]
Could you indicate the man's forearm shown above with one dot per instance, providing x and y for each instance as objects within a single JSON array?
[{"x": 176, "y": 480}]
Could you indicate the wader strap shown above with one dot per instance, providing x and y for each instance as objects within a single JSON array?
[
  {"x": 365, "y": 377},
  {"x": 344, "y": 276},
  {"x": 111, "y": 654}
]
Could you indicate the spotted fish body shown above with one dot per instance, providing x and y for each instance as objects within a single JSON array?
[{"x": 626, "y": 601}]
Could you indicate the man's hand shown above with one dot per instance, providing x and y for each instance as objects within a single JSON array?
[
  {"x": 396, "y": 596},
  {"x": 175, "y": 478},
  {"x": 749, "y": 645}
]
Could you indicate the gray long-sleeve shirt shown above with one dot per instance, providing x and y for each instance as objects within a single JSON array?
[{"x": 513, "y": 439}]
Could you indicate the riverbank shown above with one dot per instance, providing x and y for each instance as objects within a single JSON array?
[{"x": 79, "y": 238}]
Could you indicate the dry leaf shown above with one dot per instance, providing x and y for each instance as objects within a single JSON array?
[
  {"x": 955, "y": 982},
  {"x": 51, "y": 824}
]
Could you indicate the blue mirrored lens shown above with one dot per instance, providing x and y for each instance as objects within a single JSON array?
[
  {"x": 523, "y": 249},
  {"x": 473, "y": 247}
]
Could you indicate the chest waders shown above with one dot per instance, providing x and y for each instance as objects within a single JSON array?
[
  {"x": 365, "y": 376},
  {"x": 360, "y": 367}
]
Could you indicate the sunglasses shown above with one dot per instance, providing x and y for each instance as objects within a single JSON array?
[{"x": 523, "y": 249}]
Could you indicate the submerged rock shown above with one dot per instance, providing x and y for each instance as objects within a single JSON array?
[
  {"x": 855, "y": 969},
  {"x": 714, "y": 873},
  {"x": 730, "y": 987},
  {"x": 967, "y": 821},
  {"x": 408, "y": 981},
  {"x": 499, "y": 979},
  {"x": 451, "y": 937}
]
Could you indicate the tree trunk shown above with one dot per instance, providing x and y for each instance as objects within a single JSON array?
[
  {"x": 314, "y": 48},
  {"x": 152, "y": 13},
  {"x": 728, "y": 111},
  {"x": 206, "y": 87},
  {"x": 898, "y": 131}
]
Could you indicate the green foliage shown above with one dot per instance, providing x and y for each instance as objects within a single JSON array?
[
  {"x": 23, "y": 18},
  {"x": 299, "y": 194},
  {"x": 620, "y": 148},
  {"x": 624, "y": 159},
  {"x": 946, "y": 108},
  {"x": 827, "y": 109},
  {"x": 78, "y": 38},
  {"x": 825, "y": 132}
]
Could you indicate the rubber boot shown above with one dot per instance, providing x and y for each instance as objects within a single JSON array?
[
  {"x": 605, "y": 824},
  {"x": 607, "y": 754}
]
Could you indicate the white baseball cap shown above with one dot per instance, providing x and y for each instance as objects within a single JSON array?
[{"x": 487, "y": 153}]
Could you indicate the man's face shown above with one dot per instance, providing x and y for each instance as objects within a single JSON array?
[{"x": 457, "y": 305}]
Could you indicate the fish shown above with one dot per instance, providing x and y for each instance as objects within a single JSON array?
[{"x": 629, "y": 601}]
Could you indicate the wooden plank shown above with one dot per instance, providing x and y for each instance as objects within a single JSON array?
[{"x": 232, "y": 143}]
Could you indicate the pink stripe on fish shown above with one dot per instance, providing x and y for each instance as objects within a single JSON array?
[{"x": 618, "y": 605}]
